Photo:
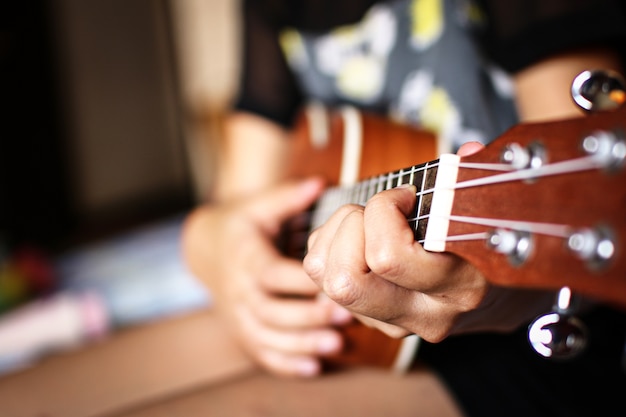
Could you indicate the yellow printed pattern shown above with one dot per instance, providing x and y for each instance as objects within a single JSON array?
[{"x": 427, "y": 18}]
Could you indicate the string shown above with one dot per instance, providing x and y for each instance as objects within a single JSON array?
[
  {"x": 557, "y": 168},
  {"x": 486, "y": 166},
  {"x": 563, "y": 167},
  {"x": 465, "y": 237}
]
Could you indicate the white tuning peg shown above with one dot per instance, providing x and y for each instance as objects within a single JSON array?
[
  {"x": 599, "y": 90},
  {"x": 559, "y": 334}
]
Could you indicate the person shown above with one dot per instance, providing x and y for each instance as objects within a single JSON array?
[{"x": 466, "y": 70}]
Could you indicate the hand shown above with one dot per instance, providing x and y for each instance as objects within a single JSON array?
[
  {"x": 271, "y": 303},
  {"x": 366, "y": 259}
]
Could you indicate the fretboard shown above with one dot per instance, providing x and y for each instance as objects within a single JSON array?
[{"x": 422, "y": 176}]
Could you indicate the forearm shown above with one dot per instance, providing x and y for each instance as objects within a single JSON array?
[{"x": 252, "y": 154}]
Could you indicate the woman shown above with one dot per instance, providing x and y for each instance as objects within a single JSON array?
[{"x": 464, "y": 70}]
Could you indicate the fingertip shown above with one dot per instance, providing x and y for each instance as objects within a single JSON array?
[
  {"x": 404, "y": 197},
  {"x": 307, "y": 368},
  {"x": 290, "y": 366},
  {"x": 470, "y": 148},
  {"x": 329, "y": 344}
]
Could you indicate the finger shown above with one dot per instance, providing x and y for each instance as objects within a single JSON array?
[
  {"x": 275, "y": 207},
  {"x": 349, "y": 281},
  {"x": 299, "y": 314},
  {"x": 328, "y": 229},
  {"x": 389, "y": 329},
  {"x": 319, "y": 243},
  {"x": 391, "y": 250},
  {"x": 469, "y": 148},
  {"x": 287, "y": 365},
  {"x": 312, "y": 342},
  {"x": 287, "y": 277}
]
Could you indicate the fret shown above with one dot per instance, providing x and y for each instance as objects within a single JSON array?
[
  {"x": 382, "y": 179},
  {"x": 352, "y": 194},
  {"x": 405, "y": 177},
  {"x": 373, "y": 184},
  {"x": 422, "y": 176},
  {"x": 426, "y": 197},
  {"x": 389, "y": 184},
  {"x": 363, "y": 193},
  {"x": 416, "y": 179}
]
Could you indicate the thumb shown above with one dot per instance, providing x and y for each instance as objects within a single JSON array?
[{"x": 275, "y": 206}]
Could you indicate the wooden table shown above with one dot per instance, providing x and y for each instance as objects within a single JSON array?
[{"x": 189, "y": 366}]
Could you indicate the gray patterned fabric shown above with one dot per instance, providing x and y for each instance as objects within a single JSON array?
[{"x": 417, "y": 61}]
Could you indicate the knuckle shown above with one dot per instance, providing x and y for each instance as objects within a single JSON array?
[
  {"x": 383, "y": 261},
  {"x": 396, "y": 332},
  {"x": 310, "y": 243},
  {"x": 314, "y": 265},
  {"x": 341, "y": 289},
  {"x": 436, "y": 335},
  {"x": 376, "y": 200},
  {"x": 472, "y": 302},
  {"x": 348, "y": 209}
]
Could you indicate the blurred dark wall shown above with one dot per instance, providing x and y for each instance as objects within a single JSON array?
[
  {"x": 89, "y": 140},
  {"x": 34, "y": 188}
]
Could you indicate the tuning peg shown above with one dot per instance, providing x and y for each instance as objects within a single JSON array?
[
  {"x": 559, "y": 334},
  {"x": 599, "y": 90}
]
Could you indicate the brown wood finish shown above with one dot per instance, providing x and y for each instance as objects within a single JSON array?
[
  {"x": 386, "y": 145},
  {"x": 584, "y": 199}
]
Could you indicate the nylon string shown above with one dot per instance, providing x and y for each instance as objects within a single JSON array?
[{"x": 338, "y": 196}]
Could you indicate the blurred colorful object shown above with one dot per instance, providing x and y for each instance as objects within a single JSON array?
[
  {"x": 88, "y": 292},
  {"x": 25, "y": 273}
]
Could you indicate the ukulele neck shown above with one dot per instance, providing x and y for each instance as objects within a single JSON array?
[{"x": 434, "y": 181}]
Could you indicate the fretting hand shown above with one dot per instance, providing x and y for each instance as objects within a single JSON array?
[{"x": 366, "y": 259}]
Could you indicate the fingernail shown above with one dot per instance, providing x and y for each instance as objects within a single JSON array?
[
  {"x": 340, "y": 315},
  {"x": 328, "y": 344},
  {"x": 307, "y": 368}
]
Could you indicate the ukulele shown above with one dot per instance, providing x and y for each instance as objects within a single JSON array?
[{"x": 542, "y": 206}]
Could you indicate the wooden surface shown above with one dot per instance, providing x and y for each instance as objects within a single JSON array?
[
  {"x": 189, "y": 366},
  {"x": 135, "y": 366},
  {"x": 359, "y": 392}
]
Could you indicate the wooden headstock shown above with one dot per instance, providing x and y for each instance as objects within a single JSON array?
[{"x": 563, "y": 221}]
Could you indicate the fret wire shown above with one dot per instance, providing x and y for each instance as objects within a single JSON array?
[
  {"x": 385, "y": 181},
  {"x": 381, "y": 183},
  {"x": 362, "y": 191},
  {"x": 400, "y": 175},
  {"x": 421, "y": 199},
  {"x": 389, "y": 181},
  {"x": 368, "y": 190},
  {"x": 412, "y": 182},
  {"x": 372, "y": 187}
]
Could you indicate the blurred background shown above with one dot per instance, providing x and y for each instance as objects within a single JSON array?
[{"x": 110, "y": 116}]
